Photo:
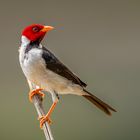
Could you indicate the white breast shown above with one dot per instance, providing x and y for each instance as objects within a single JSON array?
[
  {"x": 35, "y": 70},
  {"x": 32, "y": 64}
]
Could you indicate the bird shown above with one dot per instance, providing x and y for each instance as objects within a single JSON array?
[{"x": 45, "y": 72}]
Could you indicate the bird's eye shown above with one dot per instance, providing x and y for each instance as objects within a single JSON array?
[{"x": 35, "y": 29}]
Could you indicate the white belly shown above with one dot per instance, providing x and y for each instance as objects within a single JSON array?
[{"x": 35, "y": 70}]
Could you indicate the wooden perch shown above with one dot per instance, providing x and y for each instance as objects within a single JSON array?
[{"x": 37, "y": 101}]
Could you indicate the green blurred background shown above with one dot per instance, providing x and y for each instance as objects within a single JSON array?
[{"x": 100, "y": 41}]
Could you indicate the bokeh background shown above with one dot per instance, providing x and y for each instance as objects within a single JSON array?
[{"x": 100, "y": 41}]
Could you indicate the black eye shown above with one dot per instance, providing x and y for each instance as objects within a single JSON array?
[{"x": 35, "y": 29}]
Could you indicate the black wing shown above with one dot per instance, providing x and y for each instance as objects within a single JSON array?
[{"x": 56, "y": 66}]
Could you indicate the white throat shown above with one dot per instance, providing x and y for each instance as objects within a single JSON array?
[{"x": 24, "y": 41}]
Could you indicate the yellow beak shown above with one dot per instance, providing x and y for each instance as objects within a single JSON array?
[{"x": 47, "y": 28}]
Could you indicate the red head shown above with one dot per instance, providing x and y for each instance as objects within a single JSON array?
[{"x": 36, "y": 32}]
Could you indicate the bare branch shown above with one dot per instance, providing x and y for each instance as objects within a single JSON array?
[{"x": 37, "y": 101}]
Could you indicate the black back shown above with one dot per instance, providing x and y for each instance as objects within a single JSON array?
[{"x": 53, "y": 64}]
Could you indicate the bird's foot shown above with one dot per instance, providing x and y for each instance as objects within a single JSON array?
[
  {"x": 44, "y": 119},
  {"x": 36, "y": 91}
]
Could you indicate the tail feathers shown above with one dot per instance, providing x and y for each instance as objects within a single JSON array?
[{"x": 99, "y": 103}]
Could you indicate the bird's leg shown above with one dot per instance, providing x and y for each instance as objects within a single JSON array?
[
  {"x": 45, "y": 118},
  {"x": 36, "y": 91}
]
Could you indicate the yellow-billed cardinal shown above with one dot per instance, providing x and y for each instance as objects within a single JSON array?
[{"x": 45, "y": 72}]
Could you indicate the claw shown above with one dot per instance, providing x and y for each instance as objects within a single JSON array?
[
  {"x": 43, "y": 119},
  {"x": 36, "y": 91}
]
